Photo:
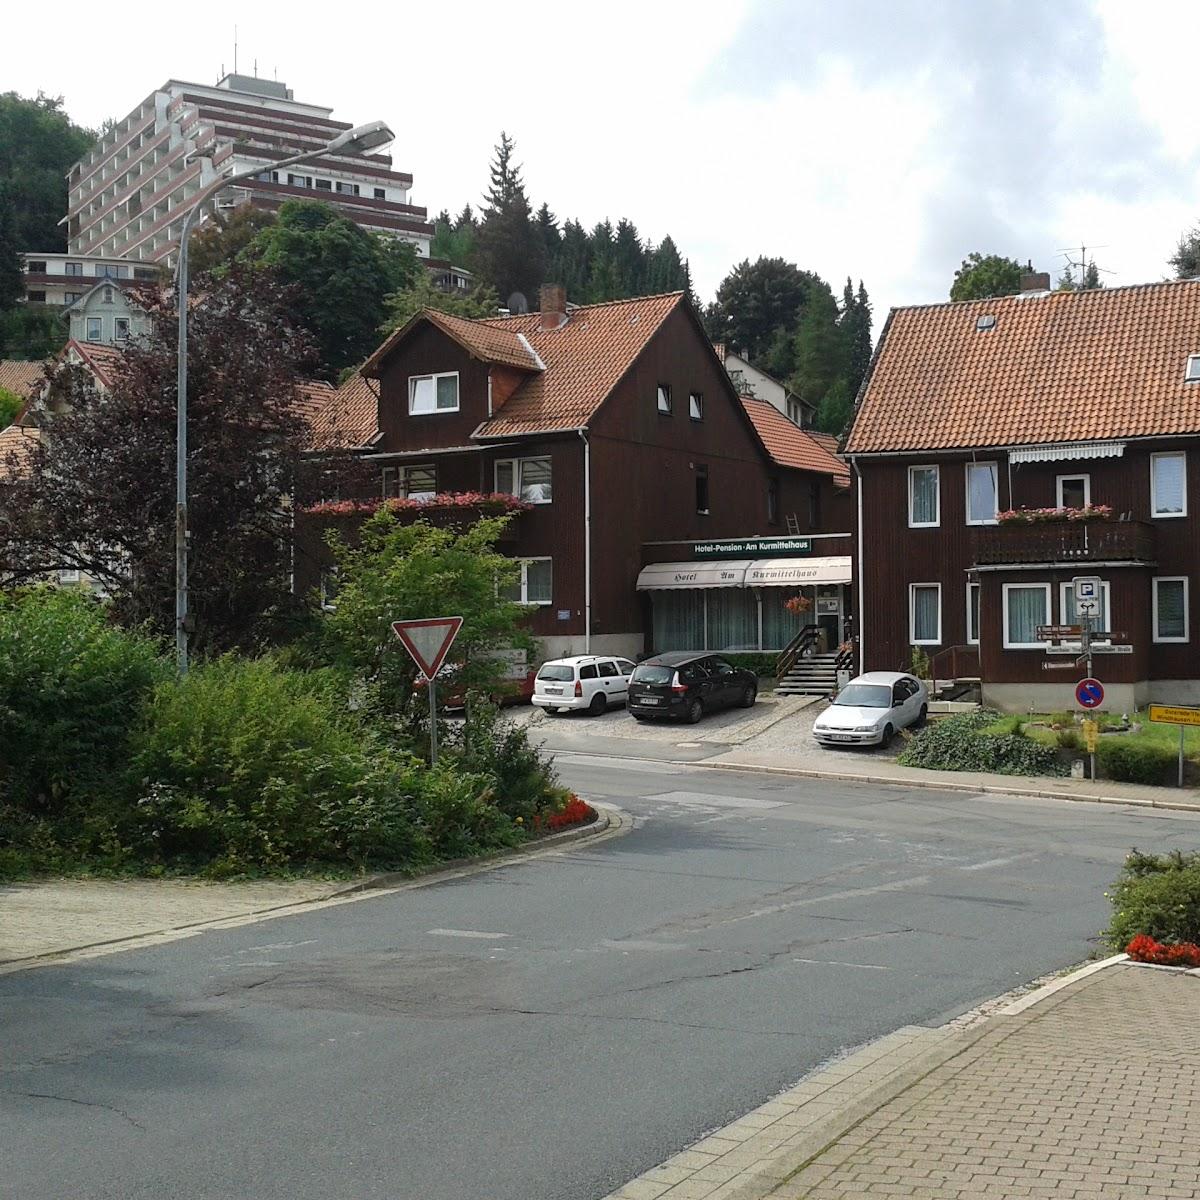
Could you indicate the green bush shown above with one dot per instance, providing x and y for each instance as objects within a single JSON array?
[
  {"x": 1134, "y": 761},
  {"x": 71, "y": 685},
  {"x": 1070, "y": 739},
  {"x": 522, "y": 779},
  {"x": 963, "y": 743},
  {"x": 761, "y": 664},
  {"x": 1158, "y": 896}
]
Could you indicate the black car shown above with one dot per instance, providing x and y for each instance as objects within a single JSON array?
[{"x": 687, "y": 684}]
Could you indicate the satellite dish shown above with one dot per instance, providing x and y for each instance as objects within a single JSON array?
[{"x": 517, "y": 303}]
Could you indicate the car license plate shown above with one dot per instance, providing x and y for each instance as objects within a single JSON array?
[
  {"x": 553, "y": 691},
  {"x": 839, "y": 737},
  {"x": 648, "y": 700}
]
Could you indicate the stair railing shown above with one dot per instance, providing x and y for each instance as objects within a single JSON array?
[
  {"x": 955, "y": 658},
  {"x": 798, "y": 646}
]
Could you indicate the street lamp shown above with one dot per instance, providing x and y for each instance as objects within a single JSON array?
[{"x": 353, "y": 141}]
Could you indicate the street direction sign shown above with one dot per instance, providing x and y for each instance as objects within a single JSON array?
[
  {"x": 1058, "y": 633},
  {"x": 429, "y": 641},
  {"x": 1064, "y": 647},
  {"x": 1089, "y": 693},
  {"x": 1059, "y": 666},
  {"x": 1166, "y": 714},
  {"x": 1114, "y": 649}
]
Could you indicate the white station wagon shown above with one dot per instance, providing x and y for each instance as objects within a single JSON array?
[
  {"x": 870, "y": 708},
  {"x": 587, "y": 681}
]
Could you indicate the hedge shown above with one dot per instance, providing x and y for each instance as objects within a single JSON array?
[{"x": 1156, "y": 895}]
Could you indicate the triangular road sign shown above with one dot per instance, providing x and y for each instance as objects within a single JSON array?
[{"x": 428, "y": 641}]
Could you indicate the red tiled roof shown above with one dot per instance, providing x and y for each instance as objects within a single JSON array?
[
  {"x": 102, "y": 360},
  {"x": 20, "y": 378},
  {"x": 584, "y": 360},
  {"x": 788, "y": 444},
  {"x": 348, "y": 418},
  {"x": 481, "y": 338},
  {"x": 17, "y": 444},
  {"x": 1057, "y": 367}
]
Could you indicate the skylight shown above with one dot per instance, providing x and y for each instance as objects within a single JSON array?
[
  {"x": 1193, "y": 369},
  {"x": 984, "y": 323}
]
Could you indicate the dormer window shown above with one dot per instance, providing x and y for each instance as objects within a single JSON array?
[
  {"x": 433, "y": 393},
  {"x": 1192, "y": 375}
]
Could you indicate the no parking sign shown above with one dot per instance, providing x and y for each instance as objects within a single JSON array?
[{"x": 1089, "y": 693}]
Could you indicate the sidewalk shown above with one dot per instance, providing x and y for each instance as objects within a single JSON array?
[{"x": 1092, "y": 1091}]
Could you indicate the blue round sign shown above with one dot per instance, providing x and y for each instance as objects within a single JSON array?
[{"x": 1089, "y": 693}]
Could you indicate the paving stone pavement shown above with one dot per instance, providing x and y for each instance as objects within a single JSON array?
[{"x": 1093, "y": 1092}]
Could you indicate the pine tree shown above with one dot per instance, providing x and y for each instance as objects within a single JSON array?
[
  {"x": 818, "y": 348},
  {"x": 629, "y": 261},
  {"x": 665, "y": 271},
  {"x": 855, "y": 325},
  {"x": 509, "y": 255},
  {"x": 572, "y": 266},
  {"x": 551, "y": 239},
  {"x": 602, "y": 278}
]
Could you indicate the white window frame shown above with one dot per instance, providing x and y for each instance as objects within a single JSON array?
[
  {"x": 69, "y": 575},
  {"x": 1166, "y": 516},
  {"x": 993, "y": 519},
  {"x": 118, "y": 336},
  {"x": 913, "y": 640},
  {"x": 1005, "y": 589},
  {"x": 525, "y": 583},
  {"x": 87, "y": 329},
  {"x": 1105, "y": 591},
  {"x": 413, "y": 380},
  {"x": 1187, "y": 628},
  {"x": 972, "y": 641},
  {"x": 663, "y": 393},
  {"x": 937, "y": 495},
  {"x": 1059, "y": 480},
  {"x": 696, "y": 406},
  {"x": 517, "y": 465},
  {"x": 401, "y": 472},
  {"x": 1191, "y": 372}
]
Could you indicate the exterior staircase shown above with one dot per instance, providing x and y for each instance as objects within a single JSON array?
[{"x": 812, "y": 675}]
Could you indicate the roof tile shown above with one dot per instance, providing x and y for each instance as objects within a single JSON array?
[
  {"x": 788, "y": 444},
  {"x": 20, "y": 378}
]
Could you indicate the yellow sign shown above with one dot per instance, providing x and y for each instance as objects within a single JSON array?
[
  {"x": 1164, "y": 714},
  {"x": 1091, "y": 732}
]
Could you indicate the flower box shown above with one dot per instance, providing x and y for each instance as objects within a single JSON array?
[{"x": 1038, "y": 516}]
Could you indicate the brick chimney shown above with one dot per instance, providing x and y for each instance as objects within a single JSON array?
[
  {"x": 553, "y": 305},
  {"x": 1035, "y": 281}
]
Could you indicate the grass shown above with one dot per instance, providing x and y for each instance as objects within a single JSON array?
[{"x": 1038, "y": 727}]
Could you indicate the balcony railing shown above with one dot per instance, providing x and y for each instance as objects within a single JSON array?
[{"x": 1064, "y": 541}]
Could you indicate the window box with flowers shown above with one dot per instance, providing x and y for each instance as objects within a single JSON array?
[
  {"x": 1041, "y": 516},
  {"x": 485, "y": 504}
]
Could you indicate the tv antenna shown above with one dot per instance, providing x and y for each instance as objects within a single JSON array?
[{"x": 1082, "y": 264}]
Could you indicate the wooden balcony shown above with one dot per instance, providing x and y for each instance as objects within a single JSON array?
[{"x": 1064, "y": 542}]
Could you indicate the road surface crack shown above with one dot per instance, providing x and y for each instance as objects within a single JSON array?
[{"x": 83, "y": 1103}]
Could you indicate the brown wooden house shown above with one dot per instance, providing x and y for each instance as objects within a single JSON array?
[
  {"x": 974, "y": 416},
  {"x": 620, "y": 431}
]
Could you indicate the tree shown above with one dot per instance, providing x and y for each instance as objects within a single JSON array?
[
  {"x": 10, "y": 405},
  {"x": 629, "y": 261},
  {"x": 665, "y": 270},
  {"x": 12, "y": 282},
  {"x": 981, "y": 277},
  {"x": 98, "y": 494},
  {"x": 572, "y": 266},
  {"x": 819, "y": 348},
  {"x": 548, "y": 233},
  {"x": 32, "y": 331},
  {"x": 454, "y": 239},
  {"x": 602, "y": 274},
  {"x": 1186, "y": 260},
  {"x": 342, "y": 275},
  {"x": 835, "y": 408},
  {"x": 221, "y": 238},
  {"x": 756, "y": 300},
  {"x": 509, "y": 255},
  {"x": 855, "y": 325},
  {"x": 408, "y": 571},
  {"x": 38, "y": 145},
  {"x": 402, "y": 306}
]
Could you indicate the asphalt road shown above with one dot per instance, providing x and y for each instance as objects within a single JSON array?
[{"x": 551, "y": 1028}]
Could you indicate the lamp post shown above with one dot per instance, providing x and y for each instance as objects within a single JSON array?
[{"x": 352, "y": 141}]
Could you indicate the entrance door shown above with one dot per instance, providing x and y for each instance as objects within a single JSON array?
[{"x": 829, "y": 614}]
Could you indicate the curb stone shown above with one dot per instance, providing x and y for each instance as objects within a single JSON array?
[{"x": 610, "y": 822}]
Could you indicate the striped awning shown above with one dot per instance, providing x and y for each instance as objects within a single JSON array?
[
  {"x": 793, "y": 572},
  {"x": 743, "y": 572},
  {"x": 1065, "y": 451},
  {"x": 720, "y": 574}
]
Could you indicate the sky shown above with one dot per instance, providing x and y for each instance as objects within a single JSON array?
[{"x": 878, "y": 139}]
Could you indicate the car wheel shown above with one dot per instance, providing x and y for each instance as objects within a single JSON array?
[
  {"x": 598, "y": 704},
  {"x": 552, "y": 712},
  {"x": 888, "y": 734},
  {"x": 923, "y": 716},
  {"x": 695, "y": 712},
  {"x": 749, "y": 696}
]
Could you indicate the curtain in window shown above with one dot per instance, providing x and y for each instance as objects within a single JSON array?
[
  {"x": 1168, "y": 483},
  {"x": 1026, "y": 611},
  {"x": 779, "y": 625},
  {"x": 925, "y": 614},
  {"x": 1071, "y": 613},
  {"x": 539, "y": 581},
  {"x": 1169, "y": 599},
  {"x": 923, "y": 484},
  {"x": 677, "y": 620},
  {"x": 535, "y": 480},
  {"x": 732, "y": 619},
  {"x": 981, "y": 492}
]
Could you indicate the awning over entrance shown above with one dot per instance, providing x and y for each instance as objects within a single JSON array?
[
  {"x": 789, "y": 572},
  {"x": 1066, "y": 451},
  {"x": 664, "y": 576}
]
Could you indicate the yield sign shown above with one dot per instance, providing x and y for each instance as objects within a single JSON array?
[{"x": 428, "y": 641}]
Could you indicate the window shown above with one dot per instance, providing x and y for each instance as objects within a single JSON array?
[
  {"x": 73, "y": 268},
  {"x": 973, "y": 614},
  {"x": 528, "y": 478},
  {"x": 36, "y": 297},
  {"x": 814, "y": 504},
  {"x": 38, "y": 268},
  {"x": 348, "y": 189},
  {"x": 300, "y": 180},
  {"x": 924, "y": 499},
  {"x": 68, "y": 575},
  {"x": 121, "y": 329},
  {"x": 433, "y": 393},
  {"x": 588, "y": 672},
  {"x": 1171, "y": 609},
  {"x": 108, "y": 272},
  {"x": 1191, "y": 375},
  {"x": 795, "y": 411},
  {"x": 71, "y": 297},
  {"x": 1168, "y": 484},
  {"x": 1073, "y": 491},
  {"x": 982, "y": 496},
  {"x": 534, "y": 586},
  {"x": 145, "y": 273},
  {"x": 94, "y": 329},
  {"x": 324, "y": 185},
  {"x": 664, "y": 397},
  {"x": 696, "y": 406},
  {"x": 380, "y": 193},
  {"x": 625, "y": 667},
  {"x": 329, "y": 589},
  {"x": 1026, "y": 606},
  {"x": 773, "y": 502},
  {"x": 410, "y": 483},
  {"x": 608, "y": 670},
  {"x": 702, "y": 489},
  {"x": 1070, "y": 615},
  {"x": 108, "y": 294},
  {"x": 925, "y": 614}
]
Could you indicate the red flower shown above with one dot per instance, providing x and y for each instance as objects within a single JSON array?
[{"x": 1146, "y": 949}]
